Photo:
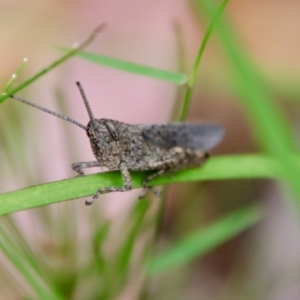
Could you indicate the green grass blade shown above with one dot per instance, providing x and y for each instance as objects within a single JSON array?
[
  {"x": 70, "y": 53},
  {"x": 270, "y": 126},
  {"x": 204, "y": 240},
  {"x": 14, "y": 76},
  {"x": 124, "y": 256},
  {"x": 193, "y": 74},
  {"x": 38, "y": 284},
  {"x": 125, "y": 252},
  {"x": 174, "y": 77},
  {"x": 219, "y": 168}
]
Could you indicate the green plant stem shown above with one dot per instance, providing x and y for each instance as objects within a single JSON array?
[
  {"x": 193, "y": 74},
  {"x": 57, "y": 62},
  {"x": 270, "y": 126},
  {"x": 14, "y": 76}
]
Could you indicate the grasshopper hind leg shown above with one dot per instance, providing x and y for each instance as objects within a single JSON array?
[
  {"x": 153, "y": 190},
  {"x": 176, "y": 159}
]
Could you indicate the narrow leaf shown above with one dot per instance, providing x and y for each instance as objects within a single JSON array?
[{"x": 203, "y": 241}]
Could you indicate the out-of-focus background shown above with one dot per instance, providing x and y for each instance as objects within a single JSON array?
[{"x": 69, "y": 239}]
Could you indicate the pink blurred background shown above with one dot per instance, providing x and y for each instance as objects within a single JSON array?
[{"x": 143, "y": 32}]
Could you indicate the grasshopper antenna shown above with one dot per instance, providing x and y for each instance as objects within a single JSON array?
[
  {"x": 49, "y": 112},
  {"x": 86, "y": 103}
]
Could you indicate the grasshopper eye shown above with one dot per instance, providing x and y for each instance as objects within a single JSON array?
[{"x": 112, "y": 130}]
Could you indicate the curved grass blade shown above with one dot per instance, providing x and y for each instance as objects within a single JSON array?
[
  {"x": 270, "y": 127},
  {"x": 227, "y": 167},
  {"x": 192, "y": 76},
  {"x": 122, "y": 65},
  {"x": 204, "y": 240},
  {"x": 40, "y": 285},
  {"x": 71, "y": 52}
]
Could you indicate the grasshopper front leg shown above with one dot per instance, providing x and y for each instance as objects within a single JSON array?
[
  {"x": 77, "y": 167},
  {"x": 127, "y": 185}
]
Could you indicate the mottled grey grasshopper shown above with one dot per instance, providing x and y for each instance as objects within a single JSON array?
[{"x": 162, "y": 148}]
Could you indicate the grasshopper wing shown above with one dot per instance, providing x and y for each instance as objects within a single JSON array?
[{"x": 198, "y": 136}]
